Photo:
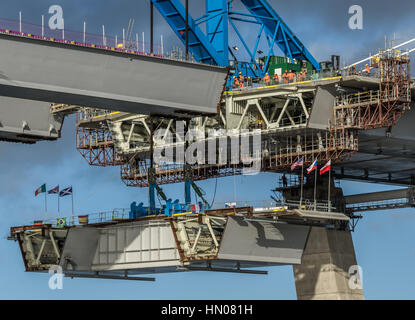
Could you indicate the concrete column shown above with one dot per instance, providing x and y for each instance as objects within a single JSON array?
[{"x": 324, "y": 270}]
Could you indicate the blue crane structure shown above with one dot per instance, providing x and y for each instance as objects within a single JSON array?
[{"x": 213, "y": 47}]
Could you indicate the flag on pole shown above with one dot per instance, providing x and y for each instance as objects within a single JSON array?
[
  {"x": 326, "y": 168},
  {"x": 41, "y": 189},
  {"x": 61, "y": 222},
  {"x": 230, "y": 205},
  {"x": 312, "y": 167},
  {"x": 65, "y": 192},
  {"x": 299, "y": 163},
  {"x": 83, "y": 219},
  {"x": 54, "y": 190}
]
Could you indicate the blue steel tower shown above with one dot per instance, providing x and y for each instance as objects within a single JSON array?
[{"x": 213, "y": 47}]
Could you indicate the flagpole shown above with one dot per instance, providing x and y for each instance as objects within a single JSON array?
[
  {"x": 315, "y": 190},
  {"x": 329, "y": 203},
  {"x": 302, "y": 179},
  {"x": 46, "y": 204},
  {"x": 59, "y": 211},
  {"x": 72, "y": 203}
]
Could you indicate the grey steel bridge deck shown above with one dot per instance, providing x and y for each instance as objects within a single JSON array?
[{"x": 70, "y": 73}]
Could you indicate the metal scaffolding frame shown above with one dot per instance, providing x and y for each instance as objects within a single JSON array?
[
  {"x": 97, "y": 147},
  {"x": 380, "y": 108}
]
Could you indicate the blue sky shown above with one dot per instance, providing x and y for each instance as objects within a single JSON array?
[{"x": 384, "y": 242}]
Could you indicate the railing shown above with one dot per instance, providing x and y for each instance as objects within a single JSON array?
[
  {"x": 98, "y": 217},
  {"x": 311, "y": 205},
  {"x": 272, "y": 205},
  {"x": 117, "y": 215},
  {"x": 358, "y": 98},
  {"x": 249, "y": 84},
  {"x": 121, "y": 214},
  {"x": 77, "y": 38},
  {"x": 105, "y": 216},
  {"x": 316, "y": 76},
  {"x": 297, "y": 120},
  {"x": 87, "y": 114},
  {"x": 380, "y": 205},
  {"x": 90, "y": 138}
]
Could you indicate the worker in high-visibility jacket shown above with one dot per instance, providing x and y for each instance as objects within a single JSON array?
[
  {"x": 300, "y": 76},
  {"x": 235, "y": 82},
  {"x": 276, "y": 78},
  {"x": 285, "y": 76},
  {"x": 367, "y": 70},
  {"x": 291, "y": 76},
  {"x": 267, "y": 79},
  {"x": 303, "y": 75},
  {"x": 241, "y": 80},
  {"x": 241, "y": 77}
]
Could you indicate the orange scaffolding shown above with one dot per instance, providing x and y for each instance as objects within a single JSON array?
[{"x": 97, "y": 147}]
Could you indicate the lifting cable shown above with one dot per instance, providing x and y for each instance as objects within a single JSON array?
[{"x": 214, "y": 194}]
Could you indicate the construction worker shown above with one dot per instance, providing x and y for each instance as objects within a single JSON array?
[
  {"x": 300, "y": 76},
  {"x": 235, "y": 82},
  {"x": 241, "y": 77},
  {"x": 354, "y": 70},
  {"x": 276, "y": 78},
  {"x": 285, "y": 76},
  {"x": 249, "y": 82},
  {"x": 367, "y": 70},
  {"x": 291, "y": 76},
  {"x": 284, "y": 181},
  {"x": 267, "y": 79}
]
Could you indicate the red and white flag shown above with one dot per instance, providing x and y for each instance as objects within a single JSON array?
[
  {"x": 326, "y": 168},
  {"x": 312, "y": 167},
  {"x": 54, "y": 190}
]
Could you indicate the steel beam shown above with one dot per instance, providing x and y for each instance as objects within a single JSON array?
[
  {"x": 380, "y": 196},
  {"x": 108, "y": 277},
  {"x": 227, "y": 270}
]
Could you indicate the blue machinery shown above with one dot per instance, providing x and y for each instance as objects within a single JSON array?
[
  {"x": 213, "y": 47},
  {"x": 170, "y": 207}
]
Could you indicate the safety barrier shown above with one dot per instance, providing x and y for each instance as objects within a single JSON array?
[{"x": 75, "y": 38}]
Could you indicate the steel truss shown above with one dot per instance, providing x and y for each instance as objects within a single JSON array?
[{"x": 277, "y": 155}]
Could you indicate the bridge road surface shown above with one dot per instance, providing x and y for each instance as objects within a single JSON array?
[{"x": 49, "y": 71}]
